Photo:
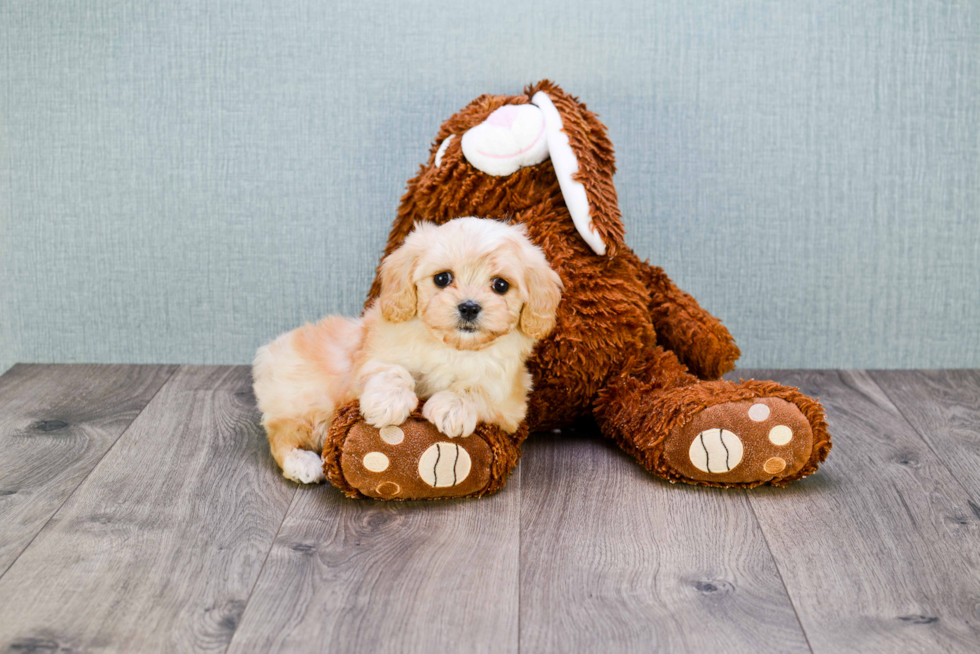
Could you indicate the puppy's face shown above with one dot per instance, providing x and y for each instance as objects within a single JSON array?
[
  {"x": 470, "y": 281},
  {"x": 468, "y": 293}
]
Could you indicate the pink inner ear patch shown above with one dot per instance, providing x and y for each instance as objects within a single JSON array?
[
  {"x": 503, "y": 117},
  {"x": 514, "y": 154}
]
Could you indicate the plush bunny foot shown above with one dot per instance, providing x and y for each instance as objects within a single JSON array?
[
  {"x": 414, "y": 460},
  {"x": 766, "y": 433},
  {"x": 747, "y": 441},
  {"x": 712, "y": 433}
]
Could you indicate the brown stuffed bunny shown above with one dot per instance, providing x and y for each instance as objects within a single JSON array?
[{"x": 630, "y": 348}]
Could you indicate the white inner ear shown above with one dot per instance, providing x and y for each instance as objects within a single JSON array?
[
  {"x": 566, "y": 164},
  {"x": 442, "y": 149},
  {"x": 510, "y": 138}
]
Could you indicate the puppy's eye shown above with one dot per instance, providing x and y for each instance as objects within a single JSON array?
[
  {"x": 443, "y": 279},
  {"x": 500, "y": 286}
]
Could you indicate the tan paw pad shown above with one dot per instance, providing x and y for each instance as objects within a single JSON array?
[
  {"x": 376, "y": 462},
  {"x": 716, "y": 451},
  {"x": 444, "y": 464},
  {"x": 392, "y": 435},
  {"x": 780, "y": 435},
  {"x": 759, "y": 412},
  {"x": 388, "y": 489},
  {"x": 774, "y": 465}
]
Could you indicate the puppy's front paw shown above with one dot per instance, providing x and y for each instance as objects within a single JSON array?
[
  {"x": 389, "y": 405},
  {"x": 451, "y": 414}
]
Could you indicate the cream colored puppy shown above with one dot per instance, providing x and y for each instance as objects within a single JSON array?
[{"x": 461, "y": 307}]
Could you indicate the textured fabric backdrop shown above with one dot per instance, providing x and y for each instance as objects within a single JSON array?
[{"x": 181, "y": 181}]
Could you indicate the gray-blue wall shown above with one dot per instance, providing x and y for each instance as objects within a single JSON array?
[{"x": 180, "y": 181}]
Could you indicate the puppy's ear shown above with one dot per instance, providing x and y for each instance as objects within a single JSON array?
[
  {"x": 544, "y": 288},
  {"x": 398, "y": 299}
]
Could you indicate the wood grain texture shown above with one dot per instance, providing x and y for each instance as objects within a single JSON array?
[
  {"x": 56, "y": 424},
  {"x": 615, "y": 560},
  {"x": 160, "y": 546},
  {"x": 179, "y": 534},
  {"x": 944, "y": 408},
  {"x": 879, "y": 549},
  {"x": 365, "y": 576}
]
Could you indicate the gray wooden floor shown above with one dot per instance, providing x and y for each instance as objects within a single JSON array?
[{"x": 140, "y": 512}]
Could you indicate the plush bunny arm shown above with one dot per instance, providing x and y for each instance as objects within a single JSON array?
[{"x": 698, "y": 339}]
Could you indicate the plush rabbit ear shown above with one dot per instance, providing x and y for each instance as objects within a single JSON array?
[
  {"x": 519, "y": 135},
  {"x": 442, "y": 149},
  {"x": 566, "y": 166},
  {"x": 510, "y": 138},
  {"x": 555, "y": 124}
]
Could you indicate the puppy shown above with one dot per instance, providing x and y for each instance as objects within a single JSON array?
[{"x": 460, "y": 309}]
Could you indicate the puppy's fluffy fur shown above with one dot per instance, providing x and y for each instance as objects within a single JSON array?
[{"x": 414, "y": 343}]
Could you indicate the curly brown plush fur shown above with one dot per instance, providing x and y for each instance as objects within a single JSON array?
[{"x": 630, "y": 348}]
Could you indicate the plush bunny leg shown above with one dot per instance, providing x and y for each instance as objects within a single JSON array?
[
  {"x": 413, "y": 460},
  {"x": 698, "y": 339},
  {"x": 716, "y": 433}
]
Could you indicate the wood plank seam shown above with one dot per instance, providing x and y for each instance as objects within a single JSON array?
[
  {"x": 939, "y": 458},
  {"x": 885, "y": 532},
  {"x": 520, "y": 548},
  {"x": 159, "y": 549},
  {"x": 258, "y": 576},
  {"x": 775, "y": 563},
  {"x": 89, "y": 473},
  {"x": 339, "y": 569},
  {"x": 612, "y": 574}
]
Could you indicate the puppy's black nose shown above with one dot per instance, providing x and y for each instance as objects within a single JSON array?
[{"x": 468, "y": 310}]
